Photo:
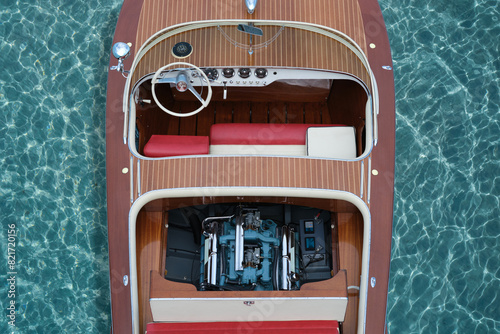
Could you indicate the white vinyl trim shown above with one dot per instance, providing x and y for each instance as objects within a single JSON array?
[
  {"x": 248, "y": 309},
  {"x": 276, "y": 150}
]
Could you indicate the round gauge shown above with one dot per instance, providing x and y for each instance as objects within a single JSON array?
[
  {"x": 182, "y": 50},
  {"x": 228, "y": 73},
  {"x": 244, "y": 73},
  {"x": 261, "y": 73},
  {"x": 211, "y": 73}
]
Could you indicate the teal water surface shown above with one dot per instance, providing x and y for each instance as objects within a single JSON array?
[
  {"x": 445, "y": 275},
  {"x": 54, "y": 57},
  {"x": 445, "y": 266}
]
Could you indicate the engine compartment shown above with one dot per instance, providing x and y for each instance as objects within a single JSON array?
[{"x": 250, "y": 246}]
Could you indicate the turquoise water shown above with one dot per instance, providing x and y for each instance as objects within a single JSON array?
[
  {"x": 445, "y": 275},
  {"x": 54, "y": 57},
  {"x": 445, "y": 267}
]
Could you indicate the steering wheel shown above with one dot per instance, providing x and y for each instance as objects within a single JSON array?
[{"x": 182, "y": 83}]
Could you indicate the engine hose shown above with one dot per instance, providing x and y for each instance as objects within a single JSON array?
[
  {"x": 275, "y": 269},
  {"x": 222, "y": 262}
]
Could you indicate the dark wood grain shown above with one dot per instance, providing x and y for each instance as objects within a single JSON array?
[
  {"x": 162, "y": 288},
  {"x": 350, "y": 231},
  {"x": 149, "y": 246},
  {"x": 118, "y": 183}
]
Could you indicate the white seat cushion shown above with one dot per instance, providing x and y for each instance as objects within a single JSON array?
[{"x": 338, "y": 142}]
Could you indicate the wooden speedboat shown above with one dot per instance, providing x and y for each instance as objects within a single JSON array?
[{"x": 250, "y": 161}]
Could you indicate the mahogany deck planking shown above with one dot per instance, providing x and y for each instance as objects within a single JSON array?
[
  {"x": 323, "y": 12},
  {"x": 257, "y": 171},
  {"x": 210, "y": 50}
]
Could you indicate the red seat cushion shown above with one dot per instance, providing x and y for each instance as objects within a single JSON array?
[
  {"x": 169, "y": 146},
  {"x": 258, "y": 327},
  {"x": 260, "y": 133}
]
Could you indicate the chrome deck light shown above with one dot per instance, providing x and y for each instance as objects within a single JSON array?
[
  {"x": 251, "y": 4},
  {"x": 121, "y": 51}
]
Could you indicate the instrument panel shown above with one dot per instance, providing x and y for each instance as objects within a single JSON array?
[{"x": 259, "y": 76}]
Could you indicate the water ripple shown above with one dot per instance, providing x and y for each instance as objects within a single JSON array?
[
  {"x": 445, "y": 256},
  {"x": 445, "y": 276},
  {"x": 52, "y": 96}
]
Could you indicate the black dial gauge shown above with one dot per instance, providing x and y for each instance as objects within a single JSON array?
[
  {"x": 261, "y": 73},
  {"x": 228, "y": 73},
  {"x": 244, "y": 73}
]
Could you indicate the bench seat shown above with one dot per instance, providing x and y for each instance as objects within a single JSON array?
[{"x": 317, "y": 140}]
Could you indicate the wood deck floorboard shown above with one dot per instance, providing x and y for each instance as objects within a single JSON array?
[{"x": 240, "y": 112}]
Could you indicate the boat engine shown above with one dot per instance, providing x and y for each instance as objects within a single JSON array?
[{"x": 245, "y": 252}]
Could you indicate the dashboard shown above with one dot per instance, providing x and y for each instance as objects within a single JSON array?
[{"x": 259, "y": 76}]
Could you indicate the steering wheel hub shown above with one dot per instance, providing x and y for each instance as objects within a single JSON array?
[{"x": 181, "y": 86}]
